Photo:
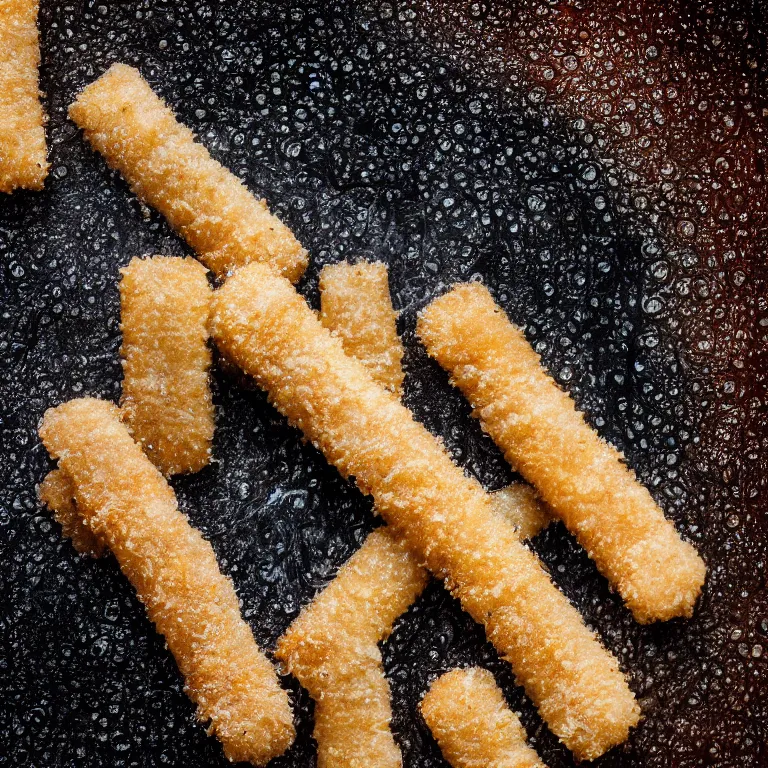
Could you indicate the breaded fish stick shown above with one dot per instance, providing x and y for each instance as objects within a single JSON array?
[
  {"x": 355, "y": 304},
  {"x": 470, "y": 720},
  {"x": 206, "y": 204},
  {"x": 331, "y": 648},
  {"x": 58, "y": 494},
  {"x": 126, "y": 503},
  {"x": 166, "y": 401},
  {"x": 580, "y": 477},
  {"x": 446, "y": 518},
  {"x": 23, "y": 154}
]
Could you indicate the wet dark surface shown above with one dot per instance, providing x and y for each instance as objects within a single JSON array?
[{"x": 421, "y": 135}]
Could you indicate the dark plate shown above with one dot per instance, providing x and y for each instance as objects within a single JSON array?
[{"x": 446, "y": 140}]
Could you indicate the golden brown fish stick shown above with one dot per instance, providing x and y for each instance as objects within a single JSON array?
[
  {"x": 58, "y": 494},
  {"x": 331, "y": 648},
  {"x": 126, "y": 502},
  {"x": 206, "y": 204},
  {"x": 355, "y": 304},
  {"x": 445, "y": 517},
  {"x": 166, "y": 401},
  {"x": 580, "y": 476},
  {"x": 23, "y": 155},
  {"x": 470, "y": 720}
]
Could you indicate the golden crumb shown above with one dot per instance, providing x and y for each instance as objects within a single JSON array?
[
  {"x": 207, "y": 205},
  {"x": 580, "y": 477},
  {"x": 445, "y": 517},
  {"x": 470, "y": 720},
  {"x": 166, "y": 401},
  {"x": 58, "y": 494},
  {"x": 355, "y": 304},
  {"x": 519, "y": 505},
  {"x": 331, "y": 648},
  {"x": 128, "y": 504},
  {"x": 23, "y": 154}
]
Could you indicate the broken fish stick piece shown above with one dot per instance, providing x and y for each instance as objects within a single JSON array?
[
  {"x": 472, "y": 724},
  {"x": 356, "y": 305},
  {"x": 58, "y": 494},
  {"x": 331, "y": 648},
  {"x": 23, "y": 154},
  {"x": 128, "y": 504},
  {"x": 445, "y": 517},
  {"x": 580, "y": 477},
  {"x": 166, "y": 400},
  {"x": 167, "y": 168}
]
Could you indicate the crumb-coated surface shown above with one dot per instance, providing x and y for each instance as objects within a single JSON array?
[
  {"x": 167, "y": 168},
  {"x": 474, "y": 726},
  {"x": 127, "y": 503},
  {"x": 332, "y": 646},
  {"x": 355, "y": 304},
  {"x": 384, "y": 131},
  {"x": 23, "y": 153},
  {"x": 264, "y": 326},
  {"x": 58, "y": 494},
  {"x": 166, "y": 395},
  {"x": 580, "y": 476},
  {"x": 332, "y": 649}
]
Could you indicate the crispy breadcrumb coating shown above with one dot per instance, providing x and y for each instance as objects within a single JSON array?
[
  {"x": 23, "y": 154},
  {"x": 581, "y": 477},
  {"x": 166, "y": 401},
  {"x": 356, "y": 305},
  {"x": 127, "y": 503},
  {"x": 446, "y": 518},
  {"x": 207, "y": 205},
  {"x": 470, "y": 720},
  {"x": 331, "y": 648},
  {"x": 519, "y": 505},
  {"x": 58, "y": 494}
]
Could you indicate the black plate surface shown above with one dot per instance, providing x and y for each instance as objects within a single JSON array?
[{"x": 428, "y": 136}]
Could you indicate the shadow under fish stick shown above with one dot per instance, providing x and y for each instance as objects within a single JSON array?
[
  {"x": 128, "y": 505},
  {"x": 168, "y": 169},
  {"x": 580, "y": 476},
  {"x": 446, "y": 518},
  {"x": 23, "y": 154}
]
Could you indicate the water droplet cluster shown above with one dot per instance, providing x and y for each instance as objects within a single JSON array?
[{"x": 602, "y": 175}]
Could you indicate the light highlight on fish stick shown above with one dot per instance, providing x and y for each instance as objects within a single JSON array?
[
  {"x": 331, "y": 648},
  {"x": 580, "y": 477},
  {"x": 207, "y": 205},
  {"x": 58, "y": 494},
  {"x": 264, "y": 326},
  {"x": 355, "y": 304},
  {"x": 126, "y": 502},
  {"x": 166, "y": 400},
  {"x": 467, "y": 714},
  {"x": 23, "y": 154}
]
